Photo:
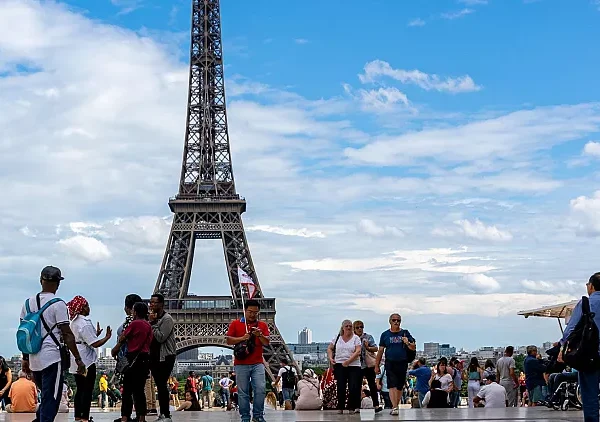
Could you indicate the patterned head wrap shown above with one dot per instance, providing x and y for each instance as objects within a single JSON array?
[{"x": 75, "y": 306}]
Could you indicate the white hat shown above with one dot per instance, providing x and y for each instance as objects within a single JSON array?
[{"x": 309, "y": 373}]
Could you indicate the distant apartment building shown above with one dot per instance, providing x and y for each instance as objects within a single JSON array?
[
  {"x": 188, "y": 355},
  {"x": 431, "y": 349},
  {"x": 305, "y": 336},
  {"x": 446, "y": 350}
]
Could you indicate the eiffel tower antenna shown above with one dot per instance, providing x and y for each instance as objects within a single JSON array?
[{"x": 207, "y": 205}]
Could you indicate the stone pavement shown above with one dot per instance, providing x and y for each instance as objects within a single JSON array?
[{"x": 538, "y": 414}]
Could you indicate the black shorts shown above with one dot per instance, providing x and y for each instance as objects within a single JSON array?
[{"x": 395, "y": 372}]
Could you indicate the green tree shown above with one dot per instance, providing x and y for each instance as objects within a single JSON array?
[{"x": 519, "y": 359}]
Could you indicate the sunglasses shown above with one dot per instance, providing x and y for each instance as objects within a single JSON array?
[
  {"x": 359, "y": 327},
  {"x": 395, "y": 320}
]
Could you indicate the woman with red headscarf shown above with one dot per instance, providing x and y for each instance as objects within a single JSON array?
[{"x": 87, "y": 339}]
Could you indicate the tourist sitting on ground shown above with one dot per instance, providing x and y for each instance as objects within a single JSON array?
[
  {"x": 191, "y": 403},
  {"x": 366, "y": 402},
  {"x": 493, "y": 394},
  {"x": 309, "y": 392},
  {"x": 23, "y": 395},
  {"x": 436, "y": 397},
  {"x": 271, "y": 401}
]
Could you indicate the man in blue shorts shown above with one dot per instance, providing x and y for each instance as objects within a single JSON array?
[{"x": 397, "y": 344}]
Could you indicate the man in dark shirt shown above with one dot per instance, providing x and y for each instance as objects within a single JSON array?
[
  {"x": 396, "y": 343},
  {"x": 534, "y": 374}
]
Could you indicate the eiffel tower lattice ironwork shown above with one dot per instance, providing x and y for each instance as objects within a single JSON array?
[{"x": 208, "y": 206}]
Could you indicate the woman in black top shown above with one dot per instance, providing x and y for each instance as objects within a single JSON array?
[{"x": 5, "y": 382}]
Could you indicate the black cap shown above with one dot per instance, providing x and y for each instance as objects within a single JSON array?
[
  {"x": 51, "y": 273},
  {"x": 491, "y": 377}
]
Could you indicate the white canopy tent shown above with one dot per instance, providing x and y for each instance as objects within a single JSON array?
[{"x": 562, "y": 310}]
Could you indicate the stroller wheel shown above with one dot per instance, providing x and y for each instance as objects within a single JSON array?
[{"x": 565, "y": 405}]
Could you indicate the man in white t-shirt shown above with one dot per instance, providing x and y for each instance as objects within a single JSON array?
[
  {"x": 289, "y": 379},
  {"x": 46, "y": 365},
  {"x": 492, "y": 393},
  {"x": 225, "y": 384}
]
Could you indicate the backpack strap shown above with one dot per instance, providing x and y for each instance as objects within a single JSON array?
[
  {"x": 585, "y": 305},
  {"x": 48, "y": 329},
  {"x": 335, "y": 345}
]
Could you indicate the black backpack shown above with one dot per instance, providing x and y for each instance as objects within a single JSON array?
[
  {"x": 580, "y": 351},
  {"x": 288, "y": 378},
  {"x": 244, "y": 348}
]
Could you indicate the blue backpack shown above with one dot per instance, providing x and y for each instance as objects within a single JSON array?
[{"x": 29, "y": 333}]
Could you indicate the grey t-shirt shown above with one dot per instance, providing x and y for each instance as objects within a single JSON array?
[{"x": 503, "y": 366}]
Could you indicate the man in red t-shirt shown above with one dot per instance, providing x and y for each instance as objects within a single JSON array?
[{"x": 250, "y": 369}]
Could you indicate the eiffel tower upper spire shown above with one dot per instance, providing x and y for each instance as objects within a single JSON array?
[{"x": 206, "y": 169}]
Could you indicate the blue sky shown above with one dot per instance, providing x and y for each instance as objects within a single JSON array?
[{"x": 435, "y": 158}]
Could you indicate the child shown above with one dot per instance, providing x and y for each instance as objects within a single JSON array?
[{"x": 366, "y": 400}]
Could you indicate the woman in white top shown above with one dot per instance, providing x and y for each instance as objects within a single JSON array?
[
  {"x": 443, "y": 376},
  {"x": 344, "y": 355},
  {"x": 87, "y": 339},
  {"x": 309, "y": 394}
]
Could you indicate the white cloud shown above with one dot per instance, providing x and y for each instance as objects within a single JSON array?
[
  {"x": 481, "y": 283},
  {"x": 26, "y": 231},
  {"x": 511, "y": 136},
  {"x": 456, "y": 15},
  {"x": 145, "y": 230},
  {"x": 416, "y": 22},
  {"x": 478, "y": 230},
  {"x": 301, "y": 41},
  {"x": 371, "y": 228},
  {"x": 378, "y": 68},
  {"x": 592, "y": 148},
  {"x": 548, "y": 287},
  {"x": 381, "y": 99},
  {"x": 303, "y": 232},
  {"x": 86, "y": 248},
  {"x": 487, "y": 305},
  {"x": 586, "y": 214},
  {"x": 433, "y": 260}
]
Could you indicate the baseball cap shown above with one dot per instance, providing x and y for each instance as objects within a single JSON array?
[
  {"x": 51, "y": 273},
  {"x": 491, "y": 377}
]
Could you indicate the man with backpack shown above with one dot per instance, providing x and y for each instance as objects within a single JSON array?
[
  {"x": 289, "y": 379},
  {"x": 44, "y": 319},
  {"x": 581, "y": 343}
]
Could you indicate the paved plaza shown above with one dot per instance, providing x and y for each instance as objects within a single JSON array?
[{"x": 512, "y": 414}]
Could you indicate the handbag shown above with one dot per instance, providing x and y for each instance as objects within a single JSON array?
[
  {"x": 65, "y": 355},
  {"x": 128, "y": 365},
  {"x": 370, "y": 359}
]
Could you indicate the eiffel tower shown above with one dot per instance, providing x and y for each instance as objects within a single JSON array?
[{"x": 208, "y": 206}]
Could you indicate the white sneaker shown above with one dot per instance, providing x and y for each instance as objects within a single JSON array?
[{"x": 394, "y": 411}]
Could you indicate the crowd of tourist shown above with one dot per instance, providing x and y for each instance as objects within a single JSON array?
[{"x": 364, "y": 374}]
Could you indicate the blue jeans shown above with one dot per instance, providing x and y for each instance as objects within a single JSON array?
[
  {"x": 255, "y": 375},
  {"x": 454, "y": 398},
  {"x": 588, "y": 383},
  {"x": 421, "y": 398},
  {"x": 288, "y": 394},
  {"x": 50, "y": 382},
  {"x": 225, "y": 397}
]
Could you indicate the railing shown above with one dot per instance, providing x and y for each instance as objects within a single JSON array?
[
  {"x": 214, "y": 303},
  {"x": 207, "y": 197}
]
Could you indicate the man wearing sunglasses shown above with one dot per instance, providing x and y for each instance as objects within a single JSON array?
[{"x": 396, "y": 343}]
